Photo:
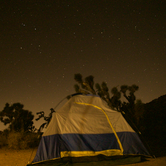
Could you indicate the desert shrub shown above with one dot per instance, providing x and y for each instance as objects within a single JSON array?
[
  {"x": 32, "y": 139},
  {"x": 3, "y": 140},
  {"x": 22, "y": 140},
  {"x": 14, "y": 139}
]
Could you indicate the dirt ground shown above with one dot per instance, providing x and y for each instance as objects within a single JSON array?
[{"x": 10, "y": 157}]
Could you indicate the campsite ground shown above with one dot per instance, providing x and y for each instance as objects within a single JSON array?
[{"x": 10, "y": 157}]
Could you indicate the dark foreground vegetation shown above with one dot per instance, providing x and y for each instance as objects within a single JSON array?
[
  {"x": 21, "y": 133},
  {"x": 19, "y": 140}
]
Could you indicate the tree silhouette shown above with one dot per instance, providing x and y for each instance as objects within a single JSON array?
[
  {"x": 17, "y": 118},
  {"x": 86, "y": 86},
  {"x": 139, "y": 112},
  {"x": 129, "y": 93},
  {"x": 47, "y": 119}
]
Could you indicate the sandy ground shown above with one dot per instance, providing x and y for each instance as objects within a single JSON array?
[{"x": 10, "y": 157}]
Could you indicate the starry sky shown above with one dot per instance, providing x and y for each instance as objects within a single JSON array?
[{"x": 43, "y": 43}]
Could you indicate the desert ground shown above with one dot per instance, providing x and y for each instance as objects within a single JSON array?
[{"x": 10, "y": 157}]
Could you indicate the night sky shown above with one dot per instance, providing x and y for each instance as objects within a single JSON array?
[{"x": 43, "y": 43}]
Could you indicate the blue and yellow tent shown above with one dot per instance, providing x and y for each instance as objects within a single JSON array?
[{"x": 86, "y": 126}]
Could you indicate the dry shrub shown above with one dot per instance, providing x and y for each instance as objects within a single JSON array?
[
  {"x": 3, "y": 140},
  {"x": 22, "y": 140},
  {"x": 32, "y": 139},
  {"x": 14, "y": 139}
]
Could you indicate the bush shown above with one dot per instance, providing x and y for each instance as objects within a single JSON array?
[
  {"x": 22, "y": 140},
  {"x": 32, "y": 139},
  {"x": 14, "y": 139},
  {"x": 3, "y": 140}
]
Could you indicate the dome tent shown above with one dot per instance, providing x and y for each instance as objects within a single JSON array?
[{"x": 86, "y": 127}]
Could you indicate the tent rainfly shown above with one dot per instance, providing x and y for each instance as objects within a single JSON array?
[{"x": 84, "y": 127}]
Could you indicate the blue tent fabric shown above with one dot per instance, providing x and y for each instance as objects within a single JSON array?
[
  {"x": 86, "y": 126},
  {"x": 132, "y": 144}
]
